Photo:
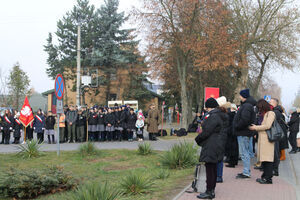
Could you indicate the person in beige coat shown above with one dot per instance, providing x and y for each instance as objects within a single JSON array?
[
  {"x": 153, "y": 120},
  {"x": 265, "y": 153}
]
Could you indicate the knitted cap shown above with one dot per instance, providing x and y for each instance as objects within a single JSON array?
[
  {"x": 211, "y": 103},
  {"x": 245, "y": 93}
]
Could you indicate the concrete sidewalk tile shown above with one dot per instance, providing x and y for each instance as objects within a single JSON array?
[{"x": 236, "y": 189}]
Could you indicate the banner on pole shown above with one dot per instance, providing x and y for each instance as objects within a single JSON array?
[
  {"x": 212, "y": 92},
  {"x": 26, "y": 115}
]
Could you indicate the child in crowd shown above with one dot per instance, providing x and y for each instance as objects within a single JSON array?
[{"x": 140, "y": 127}]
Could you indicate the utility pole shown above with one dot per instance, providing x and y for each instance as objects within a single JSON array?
[{"x": 78, "y": 68}]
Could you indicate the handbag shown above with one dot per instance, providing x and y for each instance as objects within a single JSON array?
[{"x": 275, "y": 133}]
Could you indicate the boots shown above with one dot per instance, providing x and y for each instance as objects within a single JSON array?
[
  {"x": 282, "y": 154},
  {"x": 207, "y": 195}
]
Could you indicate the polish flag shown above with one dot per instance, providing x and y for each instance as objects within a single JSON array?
[{"x": 26, "y": 115}]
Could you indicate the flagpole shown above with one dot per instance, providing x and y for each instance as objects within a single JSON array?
[
  {"x": 87, "y": 131},
  {"x": 24, "y": 134}
]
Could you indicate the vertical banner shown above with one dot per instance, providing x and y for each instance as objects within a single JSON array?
[{"x": 211, "y": 92}]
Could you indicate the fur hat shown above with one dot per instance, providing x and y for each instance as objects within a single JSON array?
[
  {"x": 221, "y": 101},
  {"x": 245, "y": 93},
  {"x": 211, "y": 103}
]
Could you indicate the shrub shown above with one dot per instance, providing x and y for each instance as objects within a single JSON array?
[
  {"x": 145, "y": 148},
  {"x": 27, "y": 184},
  {"x": 163, "y": 174},
  {"x": 88, "y": 149},
  {"x": 30, "y": 149},
  {"x": 134, "y": 184},
  {"x": 182, "y": 155},
  {"x": 94, "y": 191}
]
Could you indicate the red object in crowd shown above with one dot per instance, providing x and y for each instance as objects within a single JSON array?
[
  {"x": 212, "y": 92},
  {"x": 26, "y": 115}
]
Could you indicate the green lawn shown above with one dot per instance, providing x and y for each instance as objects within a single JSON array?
[{"x": 110, "y": 166}]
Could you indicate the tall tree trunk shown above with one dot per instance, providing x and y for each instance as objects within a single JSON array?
[{"x": 258, "y": 79}]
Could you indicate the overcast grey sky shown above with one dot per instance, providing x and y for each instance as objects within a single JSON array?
[{"x": 24, "y": 27}]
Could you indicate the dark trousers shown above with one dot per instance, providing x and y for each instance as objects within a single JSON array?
[
  {"x": 276, "y": 157},
  {"x": 49, "y": 139},
  {"x": 17, "y": 140},
  {"x": 109, "y": 135},
  {"x": 103, "y": 136},
  {"x": 80, "y": 133},
  {"x": 211, "y": 176},
  {"x": 293, "y": 140},
  {"x": 130, "y": 135},
  {"x": 71, "y": 132},
  {"x": 119, "y": 135},
  {"x": 125, "y": 135},
  {"x": 268, "y": 170},
  {"x": 62, "y": 135},
  {"x": 40, "y": 137},
  {"x": 6, "y": 136},
  {"x": 29, "y": 133}
]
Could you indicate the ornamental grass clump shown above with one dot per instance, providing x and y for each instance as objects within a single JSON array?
[
  {"x": 163, "y": 174},
  {"x": 94, "y": 191},
  {"x": 180, "y": 156},
  {"x": 31, "y": 149},
  {"x": 88, "y": 149},
  {"x": 145, "y": 148},
  {"x": 136, "y": 184}
]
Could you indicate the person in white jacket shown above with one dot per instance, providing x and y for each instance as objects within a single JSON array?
[{"x": 140, "y": 128}]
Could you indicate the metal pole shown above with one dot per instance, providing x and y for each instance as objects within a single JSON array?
[
  {"x": 58, "y": 145},
  {"x": 78, "y": 68},
  {"x": 162, "y": 117}
]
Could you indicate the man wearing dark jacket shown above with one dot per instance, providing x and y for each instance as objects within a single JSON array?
[
  {"x": 294, "y": 129},
  {"x": 242, "y": 120},
  {"x": 71, "y": 118}
]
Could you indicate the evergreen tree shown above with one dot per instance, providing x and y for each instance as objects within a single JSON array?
[
  {"x": 18, "y": 85},
  {"x": 65, "y": 53},
  {"x": 114, "y": 46}
]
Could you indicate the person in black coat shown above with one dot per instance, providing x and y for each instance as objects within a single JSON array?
[
  {"x": 119, "y": 123},
  {"x": 110, "y": 121},
  {"x": 49, "y": 126},
  {"x": 17, "y": 129},
  {"x": 39, "y": 125},
  {"x": 294, "y": 129},
  {"x": 245, "y": 117},
  {"x": 101, "y": 124},
  {"x": 123, "y": 117},
  {"x": 130, "y": 124},
  {"x": 92, "y": 124},
  {"x": 7, "y": 126},
  {"x": 212, "y": 139},
  {"x": 80, "y": 122},
  {"x": 232, "y": 143}
]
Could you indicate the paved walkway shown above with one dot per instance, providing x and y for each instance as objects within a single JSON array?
[{"x": 284, "y": 187}]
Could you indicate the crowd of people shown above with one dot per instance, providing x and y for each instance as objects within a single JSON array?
[
  {"x": 79, "y": 124},
  {"x": 230, "y": 131}
]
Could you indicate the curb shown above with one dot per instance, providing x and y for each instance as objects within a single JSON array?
[{"x": 182, "y": 192}]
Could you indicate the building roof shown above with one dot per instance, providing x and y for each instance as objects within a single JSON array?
[{"x": 48, "y": 92}]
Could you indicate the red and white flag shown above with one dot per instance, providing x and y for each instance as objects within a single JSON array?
[{"x": 26, "y": 115}]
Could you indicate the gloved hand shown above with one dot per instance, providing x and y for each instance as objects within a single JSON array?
[
  {"x": 43, "y": 128},
  {"x": 10, "y": 128}
]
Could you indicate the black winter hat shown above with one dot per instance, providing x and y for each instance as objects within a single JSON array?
[
  {"x": 245, "y": 93},
  {"x": 211, "y": 103}
]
